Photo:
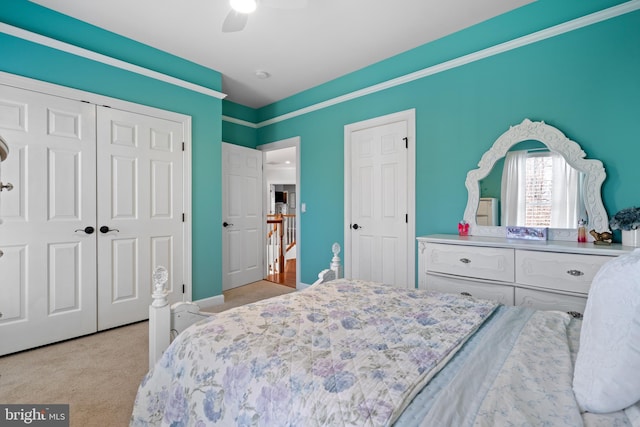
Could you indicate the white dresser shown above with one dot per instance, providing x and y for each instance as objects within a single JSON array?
[{"x": 546, "y": 275}]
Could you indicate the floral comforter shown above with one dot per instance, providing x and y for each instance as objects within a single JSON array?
[{"x": 344, "y": 353}]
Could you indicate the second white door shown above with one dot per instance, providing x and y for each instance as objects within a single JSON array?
[
  {"x": 242, "y": 234},
  {"x": 378, "y": 203}
]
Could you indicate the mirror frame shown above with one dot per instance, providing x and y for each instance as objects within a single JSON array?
[
  {"x": 556, "y": 141},
  {"x": 4, "y": 149}
]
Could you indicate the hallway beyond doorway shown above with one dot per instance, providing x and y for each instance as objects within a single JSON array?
[{"x": 288, "y": 278}]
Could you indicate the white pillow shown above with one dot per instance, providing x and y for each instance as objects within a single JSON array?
[{"x": 607, "y": 371}]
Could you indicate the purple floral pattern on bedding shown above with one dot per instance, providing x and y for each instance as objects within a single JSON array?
[{"x": 344, "y": 353}]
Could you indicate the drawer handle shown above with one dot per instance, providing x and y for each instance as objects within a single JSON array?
[
  {"x": 575, "y": 314},
  {"x": 575, "y": 273},
  {"x": 466, "y": 294},
  {"x": 465, "y": 260}
]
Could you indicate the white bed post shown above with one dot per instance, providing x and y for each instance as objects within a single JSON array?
[
  {"x": 335, "y": 261},
  {"x": 159, "y": 317}
]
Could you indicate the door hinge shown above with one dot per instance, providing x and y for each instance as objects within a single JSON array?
[
  {"x": 182, "y": 145},
  {"x": 183, "y": 288},
  {"x": 406, "y": 218},
  {"x": 406, "y": 142},
  {"x": 183, "y": 217}
]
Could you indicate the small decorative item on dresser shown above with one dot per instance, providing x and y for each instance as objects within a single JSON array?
[
  {"x": 628, "y": 221},
  {"x": 603, "y": 238},
  {"x": 463, "y": 228},
  {"x": 528, "y": 233},
  {"x": 582, "y": 231}
]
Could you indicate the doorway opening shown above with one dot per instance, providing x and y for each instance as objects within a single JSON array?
[
  {"x": 281, "y": 250},
  {"x": 281, "y": 207}
]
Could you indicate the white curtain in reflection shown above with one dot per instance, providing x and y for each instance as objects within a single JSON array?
[
  {"x": 565, "y": 192},
  {"x": 514, "y": 188}
]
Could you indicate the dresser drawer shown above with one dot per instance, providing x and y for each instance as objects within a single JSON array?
[
  {"x": 557, "y": 271},
  {"x": 453, "y": 285},
  {"x": 471, "y": 261},
  {"x": 541, "y": 300}
]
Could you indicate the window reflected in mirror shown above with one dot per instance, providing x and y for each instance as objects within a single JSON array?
[{"x": 533, "y": 187}]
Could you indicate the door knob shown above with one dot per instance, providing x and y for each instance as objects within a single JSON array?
[
  {"x": 104, "y": 229},
  {"x": 88, "y": 230},
  {"x": 226, "y": 224},
  {"x": 356, "y": 226},
  {"x": 8, "y": 186}
]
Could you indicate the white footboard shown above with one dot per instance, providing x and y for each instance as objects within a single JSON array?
[{"x": 167, "y": 321}]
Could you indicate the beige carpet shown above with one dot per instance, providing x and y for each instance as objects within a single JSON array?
[{"x": 98, "y": 375}]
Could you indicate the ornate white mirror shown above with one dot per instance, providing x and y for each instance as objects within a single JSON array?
[{"x": 501, "y": 180}]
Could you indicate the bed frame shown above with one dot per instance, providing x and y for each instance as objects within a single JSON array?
[{"x": 167, "y": 321}]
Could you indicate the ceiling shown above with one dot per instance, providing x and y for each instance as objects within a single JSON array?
[
  {"x": 300, "y": 48},
  {"x": 279, "y": 159}
]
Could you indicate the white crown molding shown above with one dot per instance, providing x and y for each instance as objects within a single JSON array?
[
  {"x": 547, "y": 33},
  {"x": 239, "y": 122},
  {"x": 88, "y": 54}
]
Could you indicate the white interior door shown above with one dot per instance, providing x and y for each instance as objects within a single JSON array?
[
  {"x": 242, "y": 235},
  {"x": 379, "y": 204},
  {"x": 48, "y": 271},
  {"x": 140, "y": 207}
]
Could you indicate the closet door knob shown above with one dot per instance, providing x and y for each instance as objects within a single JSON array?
[
  {"x": 356, "y": 226},
  {"x": 226, "y": 224},
  {"x": 88, "y": 230},
  {"x": 8, "y": 186},
  {"x": 104, "y": 229}
]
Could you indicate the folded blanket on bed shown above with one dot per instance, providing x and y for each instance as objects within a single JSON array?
[
  {"x": 342, "y": 353},
  {"x": 517, "y": 370}
]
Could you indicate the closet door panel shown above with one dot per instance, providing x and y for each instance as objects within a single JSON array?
[
  {"x": 48, "y": 272},
  {"x": 140, "y": 204}
]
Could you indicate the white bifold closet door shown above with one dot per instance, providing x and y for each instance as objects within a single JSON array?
[
  {"x": 140, "y": 203},
  {"x": 76, "y": 168}
]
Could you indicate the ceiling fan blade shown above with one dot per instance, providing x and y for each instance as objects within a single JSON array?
[
  {"x": 285, "y": 4},
  {"x": 235, "y": 21}
]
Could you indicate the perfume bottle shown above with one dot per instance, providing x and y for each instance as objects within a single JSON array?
[
  {"x": 463, "y": 228},
  {"x": 582, "y": 231}
]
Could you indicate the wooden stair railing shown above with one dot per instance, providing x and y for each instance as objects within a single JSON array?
[
  {"x": 281, "y": 237},
  {"x": 278, "y": 230}
]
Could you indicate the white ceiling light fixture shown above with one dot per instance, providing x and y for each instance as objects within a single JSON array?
[
  {"x": 243, "y": 6},
  {"x": 238, "y": 16},
  {"x": 262, "y": 74}
]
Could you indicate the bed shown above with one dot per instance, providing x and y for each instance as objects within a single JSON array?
[{"x": 354, "y": 353}]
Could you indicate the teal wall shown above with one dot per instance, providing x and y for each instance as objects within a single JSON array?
[
  {"x": 31, "y": 60},
  {"x": 239, "y": 134},
  {"x": 584, "y": 82}
]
